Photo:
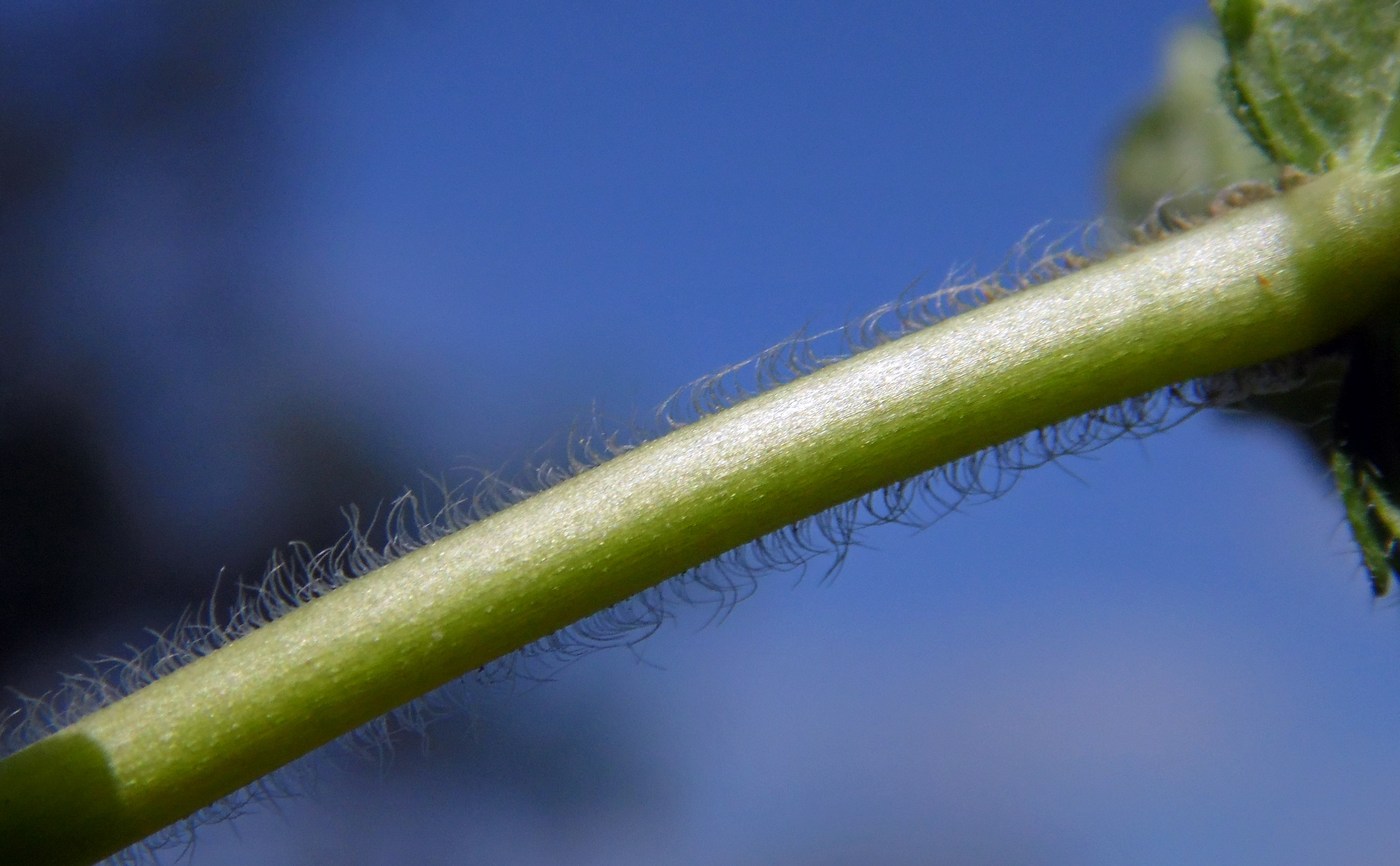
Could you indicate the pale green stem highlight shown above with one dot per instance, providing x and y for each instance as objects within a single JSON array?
[{"x": 1271, "y": 279}]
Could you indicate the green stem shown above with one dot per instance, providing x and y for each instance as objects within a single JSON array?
[{"x": 1273, "y": 278}]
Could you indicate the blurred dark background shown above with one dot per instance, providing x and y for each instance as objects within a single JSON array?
[
  {"x": 138, "y": 164},
  {"x": 260, "y": 261}
]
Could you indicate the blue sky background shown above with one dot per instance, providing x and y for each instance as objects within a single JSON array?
[{"x": 472, "y": 223}]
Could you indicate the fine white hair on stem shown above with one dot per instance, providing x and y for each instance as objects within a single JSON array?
[{"x": 297, "y": 573}]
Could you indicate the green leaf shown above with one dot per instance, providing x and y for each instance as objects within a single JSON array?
[
  {"x": 1374, "y": 518},
  {"x": 1366, "y": 451},
  {"x": 1315, "y": 82}
]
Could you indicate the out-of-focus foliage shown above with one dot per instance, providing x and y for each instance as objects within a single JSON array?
[{"x": 1184, "y": 143}]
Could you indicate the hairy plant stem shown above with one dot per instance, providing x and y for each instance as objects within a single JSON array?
[{"x": 1264, "y": 281}]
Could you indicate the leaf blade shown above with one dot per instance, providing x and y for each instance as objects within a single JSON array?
[{"x": 1315, "y": 82}]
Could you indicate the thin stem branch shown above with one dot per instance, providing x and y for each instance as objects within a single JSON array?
[{"x": 1267, "y": 280}]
